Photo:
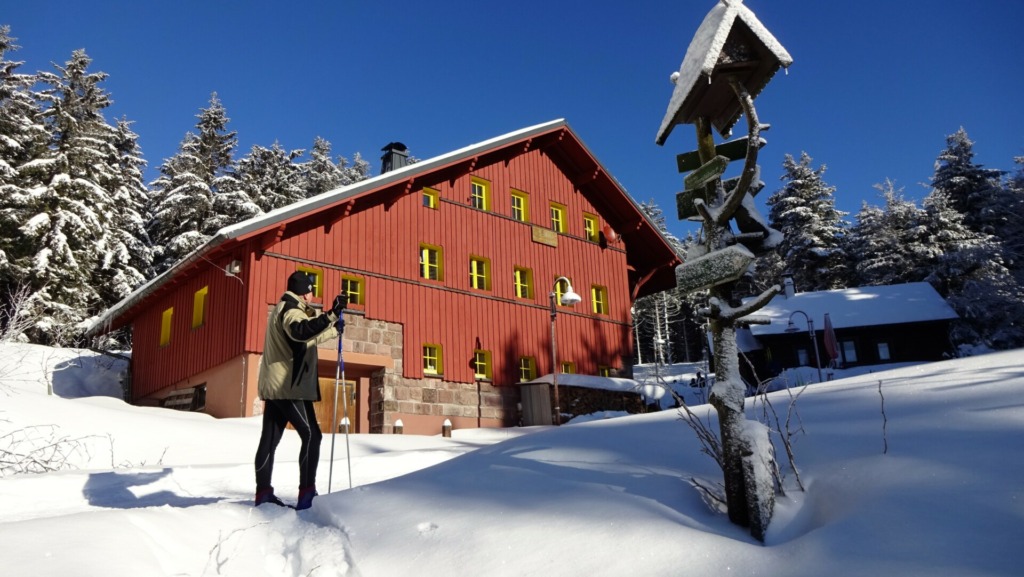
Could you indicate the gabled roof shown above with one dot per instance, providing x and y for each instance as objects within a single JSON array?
[
  {"x": 856, "y": 307},
  {"x": 694, "y": 80},
  {"x": 652, "y": 267}
]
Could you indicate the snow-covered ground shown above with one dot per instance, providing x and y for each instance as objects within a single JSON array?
[{"x": 147, "y": 492}]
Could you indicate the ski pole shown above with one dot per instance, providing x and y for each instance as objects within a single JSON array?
[
  {"x": 334, "y": 418},
  {"x": 344, "y": 404},
  {"x": 339, "y": 377}
]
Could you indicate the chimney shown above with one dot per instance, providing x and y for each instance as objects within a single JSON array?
[
  {"x": 788, "y": 288},
  {"x": 396, "y": 155}
]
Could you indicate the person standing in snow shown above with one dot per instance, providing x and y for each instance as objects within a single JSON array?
[{"x": 289, "y": 386}]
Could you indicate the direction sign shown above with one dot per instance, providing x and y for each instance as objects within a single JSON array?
[
  {"x": 684, "y": 203},
  {"x": 709, "y": 171},
  {"x": 733, "y": 150},
  {"x": 715, "y": 268}
]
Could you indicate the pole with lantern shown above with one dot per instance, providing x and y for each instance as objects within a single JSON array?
[
  {"x": 791, "y": 328},
  {"x": 569, "y": 298}
]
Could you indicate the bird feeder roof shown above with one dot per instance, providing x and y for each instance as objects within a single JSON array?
[{"x": 730, "y": 42}]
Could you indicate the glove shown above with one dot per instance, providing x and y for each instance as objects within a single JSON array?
[
  {"x": 340, "y": 304},
  {"x": 340, "y": 325}
]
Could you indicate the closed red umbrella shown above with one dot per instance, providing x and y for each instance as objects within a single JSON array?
[{"x": 831, "y": 344}]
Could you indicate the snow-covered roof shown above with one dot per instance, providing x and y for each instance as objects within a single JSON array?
[
  {"x": 856, "y": 307},
  {"x": 404, "y": 173},
  {"x": 604, "y": 383},
  {"x": 296, "y": 209},
  {"x": 702, "y": 57}
]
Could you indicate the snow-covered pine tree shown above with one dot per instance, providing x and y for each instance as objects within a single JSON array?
[
  {"x": 321, "y": 174},
  {"x": 215, "y": 145},
  {"x": 804, "y": 211},
  {"x": 197, "y": 193},
  {"x": 967, "y": 270},
  {"x": 22, "y": 138},
  {"x": 865, "y": 260},
  {"x": 271, "y": 177},
  {"x": 359, "y": 169},
  {"x": 127, "y": 260},
  {"x": 972, "y": 190},
  {"x": 889, "y": 244},
  {"x": 1012, "y": 232},
  {"x": 181, "y": 202},
  {"x": 66, "y": 216},
  {"x": 972, "y": 211}
]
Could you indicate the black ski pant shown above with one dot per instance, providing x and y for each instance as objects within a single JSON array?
[{"x": 276, "y": 416}]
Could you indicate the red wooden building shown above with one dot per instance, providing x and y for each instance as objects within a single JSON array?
[{"x": 448, "y": 262}]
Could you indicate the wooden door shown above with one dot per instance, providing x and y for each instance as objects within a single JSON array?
[{"x": 325, "y": 408}]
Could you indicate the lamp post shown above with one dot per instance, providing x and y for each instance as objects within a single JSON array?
[
  {"x": 569, "y": 298},
  {"x": 791, "y": 328}
]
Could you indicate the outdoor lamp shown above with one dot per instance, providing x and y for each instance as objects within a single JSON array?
[
  {"x": 569, "y": 298},
  {"x": 791, "y": 328}
]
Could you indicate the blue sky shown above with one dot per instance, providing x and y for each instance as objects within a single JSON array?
[{"x": 874, "y": 89}]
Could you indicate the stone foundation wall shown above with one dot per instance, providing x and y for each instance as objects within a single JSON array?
[
  {"x": 435, "y": 397},
  {"x": 372, "y": 337}
]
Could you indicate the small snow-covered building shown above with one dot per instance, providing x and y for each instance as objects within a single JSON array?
[
  {"x": 853, "y": 327},
  {"x": 584, "y": 395},
  {"x": 448, "y": 264}
]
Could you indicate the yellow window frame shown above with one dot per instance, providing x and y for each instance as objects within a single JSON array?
[
  {"x": 430, "y": 197},
  {"x": 520, "y": 206},
  {"x": 558, "y": 217},
  {"x": 599, "y": 299},
  {"x": 433, "y": 359},
  {"x": 527, "y": 369},
  {"x": 480, "y": 193},
  {"x": 165, "y": 326},
  {"x": 480, "y": 273},
  {"x": 567, "y": 367},
  {"x": 590, "y": 227},
  {"x": 482, "y": 364},
  {"x": 431, "y": 262},
  {"x": 199, "y": 307},
  {"x": 353, "y": 287},
  {"x": 318, "y": 279},
  {"x": 604, "y": 371},
  {"x": 522, "y": 279}
]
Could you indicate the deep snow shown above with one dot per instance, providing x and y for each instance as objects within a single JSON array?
[{"x": 156, "y": 492}]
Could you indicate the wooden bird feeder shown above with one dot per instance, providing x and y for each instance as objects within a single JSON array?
[{"x": 731, "y": 42}]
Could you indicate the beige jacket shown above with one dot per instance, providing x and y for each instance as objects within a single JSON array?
[{"x": 288, "y": 369}]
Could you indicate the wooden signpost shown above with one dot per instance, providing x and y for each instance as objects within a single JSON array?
[
  {"x": 731, "y": 59},
  {"x": 707, "y": 172},
  {"x": 715, "y": 268},
  {"x": 733, "y": 150}
]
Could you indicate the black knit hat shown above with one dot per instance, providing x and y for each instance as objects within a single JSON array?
[{"x": 300, "y": 283}]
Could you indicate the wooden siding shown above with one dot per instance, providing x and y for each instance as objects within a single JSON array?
[
  {"x": 190, "y": 351},
  {"x": 379, "y": 241}
]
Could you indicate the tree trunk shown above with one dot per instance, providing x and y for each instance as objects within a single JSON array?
[{"x": 727, "y": 398}]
